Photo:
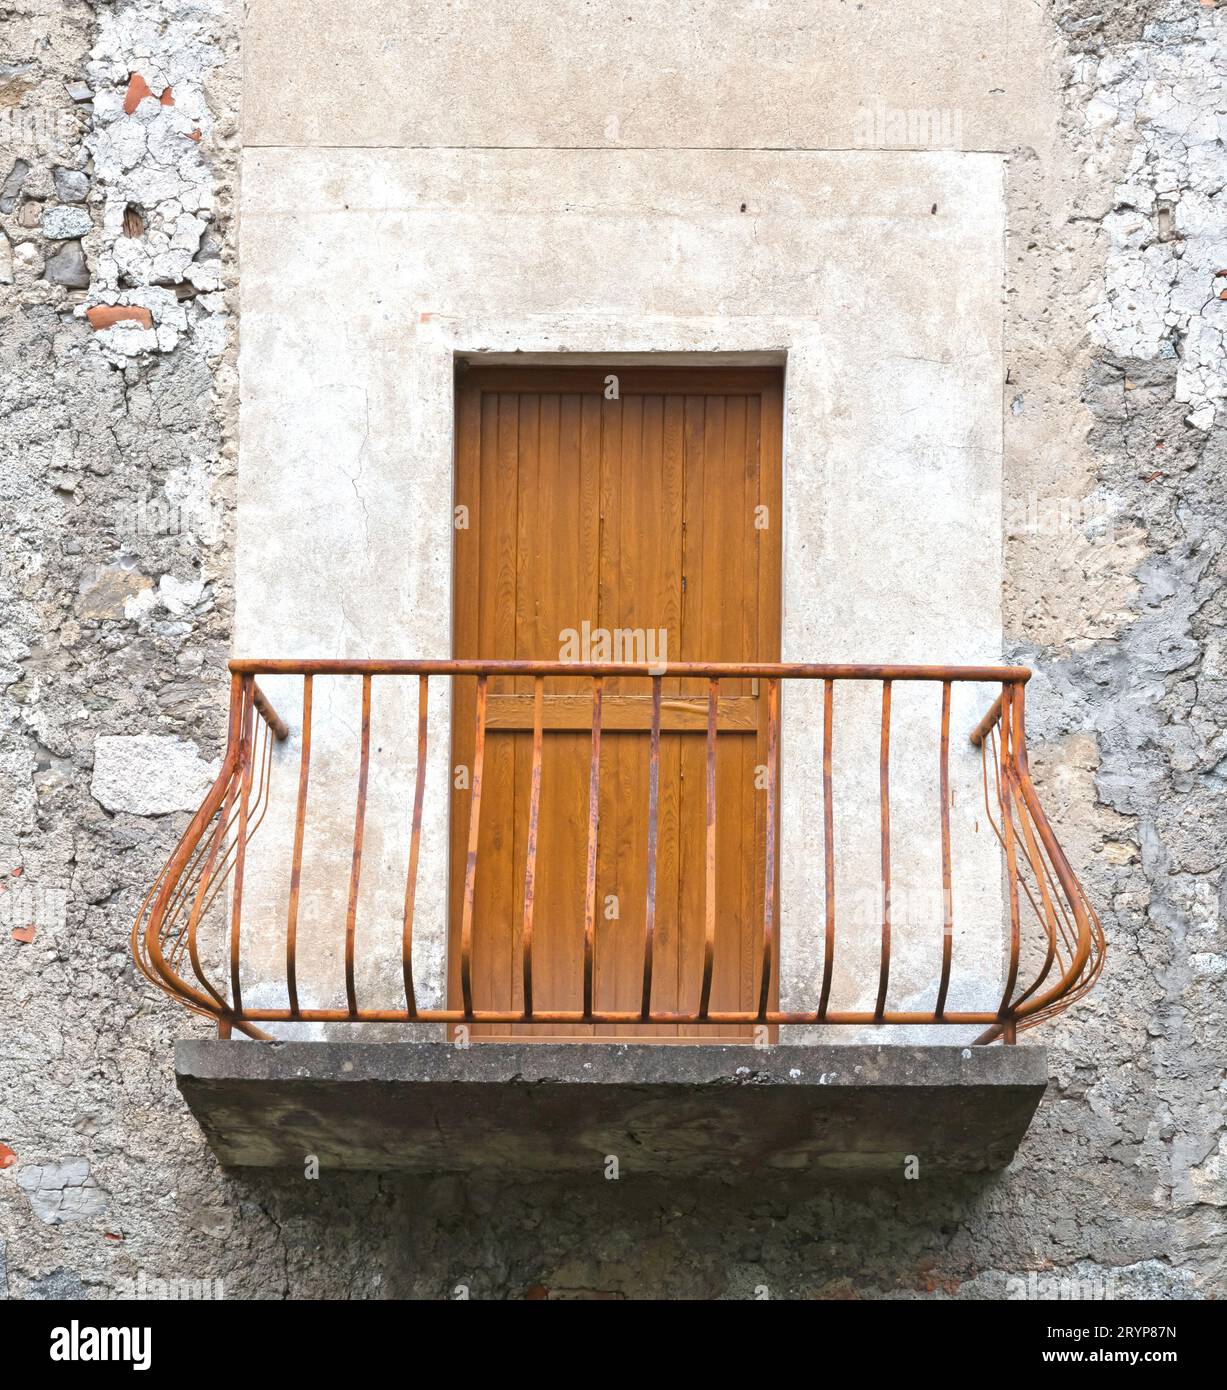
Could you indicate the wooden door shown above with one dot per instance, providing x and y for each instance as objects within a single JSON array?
[{"x": 657, "y": 510}]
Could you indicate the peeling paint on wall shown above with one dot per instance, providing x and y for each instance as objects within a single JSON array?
[
  {"x": 149, "y": 145},
  {"x": 1159, "y": 100}
]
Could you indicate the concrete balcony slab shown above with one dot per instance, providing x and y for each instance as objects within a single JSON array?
[{"x": 692, "y": 1109}]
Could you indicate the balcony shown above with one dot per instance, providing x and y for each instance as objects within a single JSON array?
[{"x": 420, "y": 884}]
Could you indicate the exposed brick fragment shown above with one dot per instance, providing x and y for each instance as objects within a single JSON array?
[
  {"x": 168, "y": 97},
  {"x": 7, "y": 1156},
  {"x": 107, "y": 315},
  {"x": 23, "y": 934},
  {"x": 138, "y": 90}
]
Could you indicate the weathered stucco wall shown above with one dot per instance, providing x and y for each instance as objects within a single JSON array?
[{"x": 117, "y": 618}]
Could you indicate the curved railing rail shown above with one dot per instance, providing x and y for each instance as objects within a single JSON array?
[{"x": 1052, "y": 954}]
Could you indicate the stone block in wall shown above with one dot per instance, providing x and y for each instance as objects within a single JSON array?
[{"x": 150, "y": 774}]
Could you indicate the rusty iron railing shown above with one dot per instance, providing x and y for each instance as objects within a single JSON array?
[{"x": 1052, "y": 956}]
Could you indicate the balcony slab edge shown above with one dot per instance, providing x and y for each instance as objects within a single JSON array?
[{"x": 545, "y": 1108}]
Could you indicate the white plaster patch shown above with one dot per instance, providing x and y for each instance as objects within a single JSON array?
[
  {"x": 150, "y": 161},
  {"x": 60, "y": 1192},
  {"x": 180, "y": 596},
  {"x": 1166, "y": 227},
  {"x": 150, "y": 774},
  {"x": 140, "y": 605}
]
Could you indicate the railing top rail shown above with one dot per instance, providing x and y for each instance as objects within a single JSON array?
[{"x": 765, "y": 670}]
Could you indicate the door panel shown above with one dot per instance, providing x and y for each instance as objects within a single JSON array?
[{"x": 635, "y": 513}]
